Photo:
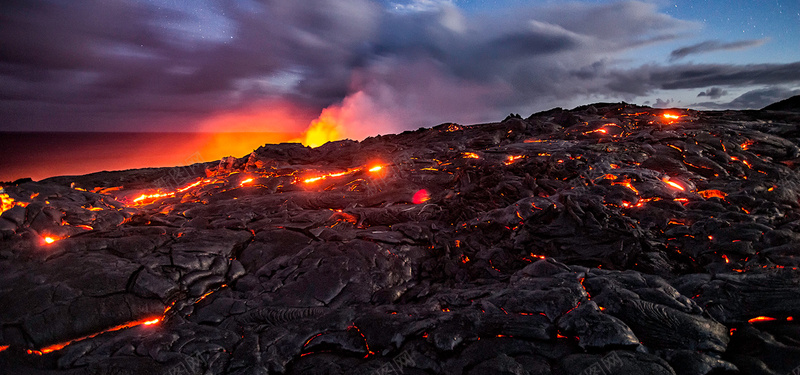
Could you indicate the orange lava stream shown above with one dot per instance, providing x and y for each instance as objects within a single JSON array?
[
  {"x": 712, "y": 194},
  {"x": 59, "y": 346},
  {"x": 145, "y": 197},
  {"x": 513, "y": 158},
  {"x": 761, "y": 319},
  {"x": 672, "y": 184}
]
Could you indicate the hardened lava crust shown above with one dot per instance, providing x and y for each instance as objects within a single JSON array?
[{"x": 607, "y": 239}]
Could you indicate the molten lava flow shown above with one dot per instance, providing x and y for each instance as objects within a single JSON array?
[
  {"x": 373, "y": 169},
  {"x": 59, "y": 346},
  {"x": 712, "y": 194},
  {"x": 421, "y": 196},
  {"x": 601, "y": 131},
  {"x": 471, "y": 155},
  {"x": 7, "y": 203},
  {"x": 761, "y": 319},
  {"x": 625, "y": 182},
  {"x": 330, "y": 175},
  {"x": 246, "y": 182},
  {"x": 670, "y": 116},
  {"x": 673, "y": 184},
  {"x": 513, "y": 158},
  {"x": 152, "y": 197}
]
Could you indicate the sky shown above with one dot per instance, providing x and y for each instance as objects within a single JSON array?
[{"x": 356, "y": 68}]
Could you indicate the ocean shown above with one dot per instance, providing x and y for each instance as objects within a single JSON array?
[{"x": 39, "y": 155}]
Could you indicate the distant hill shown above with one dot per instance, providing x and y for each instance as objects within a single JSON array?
[{"x": 791, "y": 104}]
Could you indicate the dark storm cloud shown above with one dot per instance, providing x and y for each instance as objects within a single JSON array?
[
  {"x": 713, "y": 45},
  {"x": 713, "y": 93},
  {"x": 646, "y": 79},
  {"x": 100, "y": 64},
  {"x": 754, "y": 99}
]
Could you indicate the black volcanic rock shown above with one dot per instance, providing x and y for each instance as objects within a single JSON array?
[
  {"x": 791, "y": 104},
  {"x": 604, "y": 239}
]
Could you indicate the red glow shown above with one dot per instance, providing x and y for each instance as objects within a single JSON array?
[
  {"x": 61, "y": 345},
  {"x": 712, "y": 194},
  {"x": 673, "y": 184},
  {"x": 471, "y": 155},
  {"x": 3, "y": 347},
  {"x": 601, "y": 131},
  {"x": 761, "y": 319},
  {"x": 726, "y": 258},
  {"x": 246, "y": 182},
  {"x": 6, "y": 202},
  {"x": 421, "y": 196},
  {"x": 627, "y": 183},
  {"x": 50, "y": 239},
  {"x": 511, "y": 159}
]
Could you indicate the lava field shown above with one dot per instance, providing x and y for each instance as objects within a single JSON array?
[{"x": 607, "y": 239}]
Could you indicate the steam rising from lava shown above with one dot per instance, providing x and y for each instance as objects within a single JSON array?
[{"x": 357, "y": 117}]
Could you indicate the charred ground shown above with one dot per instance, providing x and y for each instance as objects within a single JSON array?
[{"x": 610, "y": 238}]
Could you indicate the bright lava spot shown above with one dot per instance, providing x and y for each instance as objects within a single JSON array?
[
  {"x": 6, "y": 202},
  {"x": 49, "y": 240},
  {"x": 512, "y": 158},
  {"x": 471, "y": 155},
  {"x": 151, "y": 322},
  {"x": 421, "y": 196},
  {"x": 376, "y": 168},
  {"x": 712, "y": 194},
  {"x": 674, "y": 185},
  {"x": 245, "y": 182},
  {"x": 761, "y": 319}
]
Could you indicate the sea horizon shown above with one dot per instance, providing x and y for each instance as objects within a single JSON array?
[{"x": 43, "y": 154}]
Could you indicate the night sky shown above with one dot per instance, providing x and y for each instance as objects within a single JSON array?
[{"x": 379, "y": 66}]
